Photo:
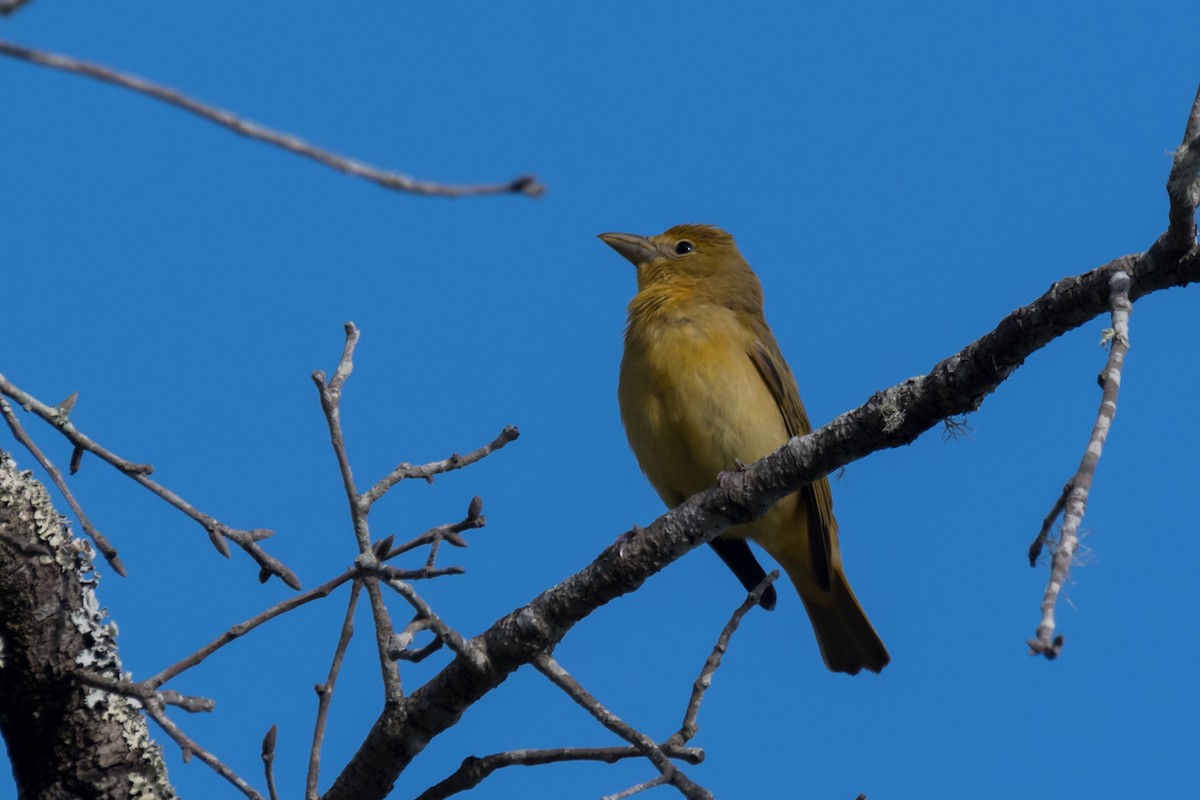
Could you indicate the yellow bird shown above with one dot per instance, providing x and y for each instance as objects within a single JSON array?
[{"x": 703, "y": 389}]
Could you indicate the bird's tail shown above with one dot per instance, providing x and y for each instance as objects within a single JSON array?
[{"x": 846, "y": 637}]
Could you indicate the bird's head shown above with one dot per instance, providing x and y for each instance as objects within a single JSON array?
[{"x": 699, "y": 258}]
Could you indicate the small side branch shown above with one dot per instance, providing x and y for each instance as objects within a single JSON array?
[
  {"x": 102, "y": 544},
  {"x": 647, "y": 746},
  {"x": 330, "y": 394},
  {"x": 1047, "y": 643},
  {"x": 426, "y": 472},
  {"x": 190, "y": 748},
  {"x": 325, "y": 694},
  {"x": 147, "y": 694},
  {"x": 475, "y": 769},
  {"x": 242, "y": 628},
  {"x": 689, "y": 728},
  {"x": 450, "y": 533},
  {"x": 427, "y": 619},
  {"x": 1035, "y": 549},
  {"x": 218, "y": 532},
  {"x": 526, "y": 184}
]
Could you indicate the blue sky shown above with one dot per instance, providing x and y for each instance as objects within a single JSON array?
[{"x": 900, "y": 177}]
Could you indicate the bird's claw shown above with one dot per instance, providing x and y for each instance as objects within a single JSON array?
[
  {"x": 724, "y": 475},
  {"x": 625, "y": 538}
]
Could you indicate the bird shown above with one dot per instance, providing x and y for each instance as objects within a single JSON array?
[{"x": 704, "y": 390}]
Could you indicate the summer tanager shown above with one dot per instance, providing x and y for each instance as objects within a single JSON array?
[{"x": 704, "y": 389}]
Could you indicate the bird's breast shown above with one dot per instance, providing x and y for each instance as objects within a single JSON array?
[{"x": 692, "y": 400}]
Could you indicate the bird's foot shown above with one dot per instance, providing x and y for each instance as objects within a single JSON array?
[
  {"x": 625, "y": 538},
  {"x": 724, "y": 475}
]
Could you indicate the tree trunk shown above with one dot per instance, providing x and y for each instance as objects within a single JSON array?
[{"x": 65, "y": 739}]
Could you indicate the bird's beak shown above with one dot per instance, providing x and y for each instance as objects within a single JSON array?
[{"x": 636, "y": 249}]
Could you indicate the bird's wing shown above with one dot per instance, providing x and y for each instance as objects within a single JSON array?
[{"x": 817, "y": 496}]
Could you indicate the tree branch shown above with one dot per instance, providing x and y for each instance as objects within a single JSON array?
[
  {"x": 475, "y": 769},
  {"x": 647, "y": 746},
  {"x": 217, "y": 531},
  {"x": 1076, "y": 495},
  {"x": 102, "y": 544},
  {"x": 525, "y": 184}
]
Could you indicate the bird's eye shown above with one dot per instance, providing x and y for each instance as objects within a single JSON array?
[{"x": 684, "y": 247}]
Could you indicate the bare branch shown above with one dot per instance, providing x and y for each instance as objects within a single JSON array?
[
  {"x": 474, "y": 519},
  {"x": 384, "y": 634},
  {"x": 325, "y": 693},
  {"x": 217, "y": 531},
  {"x": 155, "y": 710},
  {"x": 242, "y": 628},
  {"x": 702, "y": 683},
  {"x": 102, "y": 544},
  {"x": 426, "y": 472},
  {"x": 401, "y": 649},
  {"x": 648, "y": 747},
  {"x": 428, "y": 619},
  {"x": 146, "y": 693},
  {"x": 1035, "y": 549},
  {"x": 525, "y": 184},
  {"x": 636, "y": 789},
  {"x": 331, "y": 397},
  {"x": 1076, "y": 502},
  {"x": 475, "y": 769}
]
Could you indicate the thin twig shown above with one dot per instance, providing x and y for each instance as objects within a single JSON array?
[
  {"x": 636, "y": 789},
  {"x": 1046, "y": 643},
  {"x": 325, "y": 693},
  {"x": 190, "y": 748},
  {"x": 689, "y": 728},
  {"x": 146, "y": 693},
  {"x": 526, "y": 184},
  {"x": 9, "y": 6},
  {"x": 451, "y": 533},
  {"x": 1035, "y": 549},
  {"x": 384, "y": 633},
  {"x": 242, "y": 628},
  {"x": 268, "y": 757},
  {"x": 475, "y": 769},
  {"x": 649, "y": 748},
  {"x": 330, "y": 394},
  {"x": 102, "y": 544},
  {"x": 401, "y": 649},
  {"x": 453, "y": 639},
  {"x": 217, "y": 531},
  {"x": 403, "y": 471}
]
